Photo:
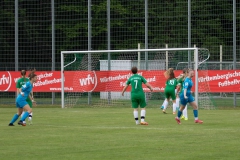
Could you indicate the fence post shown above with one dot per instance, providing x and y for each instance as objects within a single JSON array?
[
  {"x": 53, "y": 43},
  {"x": 166, "y": 57},
  {"x": 139, "y": 56},
  {"x": 16, "y": 35},
  {"x": 220, "y": 63}
]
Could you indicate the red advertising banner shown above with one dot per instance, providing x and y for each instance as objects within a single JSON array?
[{"x": 104, "y": 81}]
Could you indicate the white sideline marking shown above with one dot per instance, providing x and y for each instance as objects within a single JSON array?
[
  {"x": 138, "y": 127},
  {"x": 106, "y": 127},
  {"x": 102, "y": 127}
]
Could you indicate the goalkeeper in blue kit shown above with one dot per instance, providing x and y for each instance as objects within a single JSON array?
[
  {"x": 21, "y": 102},
  {"x": 186, "y": 97}
]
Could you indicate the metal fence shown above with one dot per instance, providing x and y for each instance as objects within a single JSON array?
[{"x": 32, "y": 33}]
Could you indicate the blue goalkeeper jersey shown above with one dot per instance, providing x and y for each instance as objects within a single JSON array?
[
  {"x": 187, "y": 84},
  {"x": 26, "y": 89}
]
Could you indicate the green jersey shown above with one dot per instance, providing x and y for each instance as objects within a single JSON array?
[
  {"x": 21, "y": 82},
  {"x": 170, "y": 89},
  {"x": 136, "y": 83},
  {"x": 137, "y": 94},
  {"x": 171, "y": 85},
  {"x": 180, "y": 83}
]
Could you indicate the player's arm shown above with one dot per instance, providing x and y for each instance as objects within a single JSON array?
[
  {"x": 26, "y": 85},
  {"x": 18, "y": 86},
  {"x": 185, "y": 93},
  {"x": 185, "y": 89},
  {"x": 178, "y": 88},
  {"x": 149, "y": 86},
  {"x": 31, "y": 94},
  {"x": 32, "y": 98},
  {"x": 179, "y": 84},
  {"x": 124, "y": 89},
  {"x": 20, "y": 91},
  {"x": 166, "y": 83}
]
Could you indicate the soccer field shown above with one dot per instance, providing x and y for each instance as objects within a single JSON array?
[{"x": 111, "y": 134}]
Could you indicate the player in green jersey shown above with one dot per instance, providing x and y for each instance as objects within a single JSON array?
[
  {"x": 180, "y": 86},
  {"x": 137, "y": 94},
  {"x": 169, "y": 90},
  {"x": 30, "y": 100}
]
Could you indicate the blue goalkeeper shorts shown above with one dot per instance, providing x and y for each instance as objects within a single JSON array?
[
  {"x": 185, "y": 101},
  {"x": 21, "y": 103}
]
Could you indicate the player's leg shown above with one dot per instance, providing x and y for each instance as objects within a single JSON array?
[
  {"x": 174, "y": 106},
  {"x": 165, "y": 105},
  {"x": 179, "y": 113},
  {"x": 184, "y": 114},
  {"x": 22, "y": 113},
  {"x": 30, "y": 114},
  {"x": 165, "y": 101},
  {"x": 135, "y": 108},
  {"x": 183, "y": 104},
  {"x": 173, "y": 96},
  {"x": 195, "y": 110},
  {"x": 15, "y": 116},
  {"x": 177, "y": 102},
  {"x": 29, "y": 102},
  {"x": 135, "y": 114},
  {"x": 26, "y": 114},
  {"x": 143, "y": 104}
]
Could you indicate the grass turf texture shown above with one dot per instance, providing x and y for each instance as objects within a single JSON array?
[
  {"x": 111, "y": 133},
  {"x": 96, "y": 102}
]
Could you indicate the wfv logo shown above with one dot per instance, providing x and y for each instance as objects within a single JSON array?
[
  {"x": 5, "y": 81},
  {"x": 87, "y": 81}
]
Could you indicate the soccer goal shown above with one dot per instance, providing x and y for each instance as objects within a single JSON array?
[{"x": 96, "y": 78}]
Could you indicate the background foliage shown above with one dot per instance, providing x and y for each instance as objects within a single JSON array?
[{"x": 212, "y": 23}]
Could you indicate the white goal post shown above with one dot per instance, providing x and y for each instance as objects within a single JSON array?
[{"x": 63, "y": 53}]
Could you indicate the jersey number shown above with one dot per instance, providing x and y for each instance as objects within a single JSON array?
[
  {"x": 136, "y": 81},
  {"x": 171, "y": 82}
]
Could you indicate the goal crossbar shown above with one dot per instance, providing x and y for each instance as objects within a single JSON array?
[{"x": 195, "y": 49}]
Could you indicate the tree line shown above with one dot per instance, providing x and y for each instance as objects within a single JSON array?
[{"x": 211, "y": 26}]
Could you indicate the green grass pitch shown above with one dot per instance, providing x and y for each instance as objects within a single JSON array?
[{"x": 111, "y": 134}]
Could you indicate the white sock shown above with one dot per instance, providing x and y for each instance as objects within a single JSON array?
[
  {"x": 143, "y": 114},
  {"x": 185, "y": 112},
  {"x": 174, "y": 107},
  {"x": 30, "y": 116},
  {"x": 165, "y": 104},
  {"x": 22, "y": 114},
  {"x": 135, "y": 114},
  {"x": 177, "y": 102}
]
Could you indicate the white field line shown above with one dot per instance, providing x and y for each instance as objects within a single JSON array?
[{"x": 137, "y": 127}]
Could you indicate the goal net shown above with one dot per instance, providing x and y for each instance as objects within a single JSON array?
[{"x": 96, "y": 78}]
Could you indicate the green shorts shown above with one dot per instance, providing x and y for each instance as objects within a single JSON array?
[
  {"x": 138, "y": 100},
  {"x": 29, "y": 102},
  {"x": 169, "y": 94}
]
